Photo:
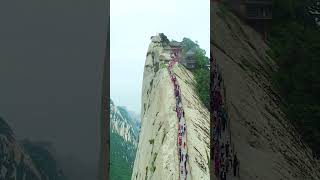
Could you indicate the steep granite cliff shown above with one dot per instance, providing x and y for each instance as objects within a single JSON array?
[
  {"x": 157, "y": 155},
  {"x": 267, "y": 145}
]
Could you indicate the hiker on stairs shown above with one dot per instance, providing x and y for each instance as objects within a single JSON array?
[
  {"x": 182, "y": 153},
  {"x": 227, "y": 149},
  {"x": 235, "y": 164}
]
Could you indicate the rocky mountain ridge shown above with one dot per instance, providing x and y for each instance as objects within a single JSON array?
[
  {"x": 124, "y": 129},
  {"x": 25, "y": 160},
  {"x": 124, "y": 123},
  {"x": 268, "y": 146},
  {"x": 157, "y": 154}
]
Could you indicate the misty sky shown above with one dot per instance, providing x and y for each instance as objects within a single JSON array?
[
  {"x": 133, "y": 22},
  {"x": 51, "y": 56}
]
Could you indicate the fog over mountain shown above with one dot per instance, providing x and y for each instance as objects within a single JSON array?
[{"x": 51, "y": 70}]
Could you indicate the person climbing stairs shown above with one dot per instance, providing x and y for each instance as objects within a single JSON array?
[
  {"x": 225, "y": 164},
  {"x": 182, "y": 135}
]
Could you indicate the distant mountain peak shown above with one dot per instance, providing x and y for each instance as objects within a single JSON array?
[
  {"x": 123, "y": 141},
  {"x": 124, "y": 123}
]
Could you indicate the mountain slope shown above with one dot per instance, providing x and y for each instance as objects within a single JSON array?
[
  {"x": 43, "y": 157},
  {"x": 157, "y": 153},
  {"x": 28, "y": 161},
  {"x": 267, "y": 145},
  {"x": 123, "y": 142}
]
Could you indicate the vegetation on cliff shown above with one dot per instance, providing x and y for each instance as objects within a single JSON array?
[
  {"x": 13, "y": 158},
  {"x": 201, "y": 72},
  {"x": 295, "y": 43},
  {"x": 122, "y": 149},
  {"x": 5, "y": 129},
  {"x": 44, "y": 161},
  {"x": 202, "y": 77},
  {"x": 164, "y": 39},
  {"x": 122, "y": 158}
]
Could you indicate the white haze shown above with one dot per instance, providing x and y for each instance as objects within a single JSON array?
[{"x": 133, "y": 22}]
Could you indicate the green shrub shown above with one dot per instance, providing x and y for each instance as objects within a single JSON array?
[
  {"x": 295, "y": 44},
  {"x": 202, "y": 77},
  {"x": 162, "y": 65},
  {"x": 151, "y": 141},
  {"x": 164, "y": 40}
]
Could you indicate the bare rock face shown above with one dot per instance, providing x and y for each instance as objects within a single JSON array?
[
  {"x": 157, "y": 153},
  {"x": 268, "y": 146}
]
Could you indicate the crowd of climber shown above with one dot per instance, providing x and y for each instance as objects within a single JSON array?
[
  {"x": 181, "y": 141},
  {"x": 226, "y": 162}
]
